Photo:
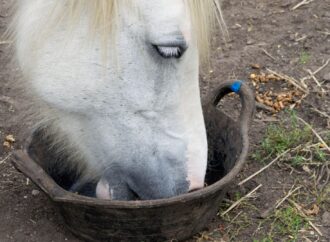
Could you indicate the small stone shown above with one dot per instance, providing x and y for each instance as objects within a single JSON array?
[
  {"x": 255, "y": 66},
  {"x": 253, "y": 76},
  {"x": 250, "y": 42},
  {"x": 35, "y": 192},
  {"x": 326, "y": 77},
  {"x": 6, "y": 144},
  {"x": 25, "y": 197},
  {"x": 10, "y": 138},
  {"x": 326, "y": 219},
  {"x": 236, "y": 26},
  {"x": 259, "y": 116}
]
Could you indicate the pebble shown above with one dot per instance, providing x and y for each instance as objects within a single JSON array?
[
  {"x": 35, "y": 192},
  {"x": 250, "y": 42},
  {"x": 258, "y": 115}
]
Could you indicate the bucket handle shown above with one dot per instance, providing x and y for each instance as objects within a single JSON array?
[
  {"x": 246, "y": 96},
  {"x": 23, "y": 162}
]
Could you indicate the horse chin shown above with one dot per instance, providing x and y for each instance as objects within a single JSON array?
[
  {"x": 195, "y": 185},
  {"x": 117, "y": 191}
]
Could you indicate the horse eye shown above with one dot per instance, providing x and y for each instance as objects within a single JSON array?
[{"x": 174, "y": 51}]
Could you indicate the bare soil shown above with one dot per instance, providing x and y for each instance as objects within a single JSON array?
[{"x": 267, "y": 33}]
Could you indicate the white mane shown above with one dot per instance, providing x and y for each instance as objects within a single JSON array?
[{"x": 206, "y": 15}]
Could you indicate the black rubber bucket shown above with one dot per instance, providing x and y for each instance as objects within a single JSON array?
[{"x": 158, "y": 220}]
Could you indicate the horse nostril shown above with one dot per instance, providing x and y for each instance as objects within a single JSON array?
[{"x": 170, "y": 51}]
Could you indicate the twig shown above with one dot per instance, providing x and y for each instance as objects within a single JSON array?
[
  {"x": 267, "y": 53},
  {"x": 315, "y": 79},
  {"x": 317, "y": 71},
  {"x": 321, "y": 113},
  {"x": 322, "y": 67},
  {"x": 240, "y": 200},
  {"x": 298, "y": 102},
  {"x": 291, "y": 80},
  {"x": 4, "y": 42},
  {"x": 298, "y": 207},
  {"x": 287, "y": 196},
  {"x": 301, "y": 38},
  {"x": 302, "y": 3},
  {"x": 324, "y": 32},
  {"x": 264, "y": 168},
  {"x": 34, "y": 222},
  {"x": 265, "y": 213},
  {"x": 315, "y": 133},
  {"x": 5, "y": 159},
  {"x": 307, "y": 239},
  {"x": 240, "y": 212},
  {"x": 325, "y": 170},
  {"x": 312, "y": 163}
]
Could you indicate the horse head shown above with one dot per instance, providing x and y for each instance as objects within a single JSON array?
[{"x": 119, "y": 81}]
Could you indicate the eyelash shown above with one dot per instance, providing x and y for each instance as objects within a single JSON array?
[{"x": 169, "y": 51}]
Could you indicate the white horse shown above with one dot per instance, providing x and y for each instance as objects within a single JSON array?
[{"x": 118, "y": 86}]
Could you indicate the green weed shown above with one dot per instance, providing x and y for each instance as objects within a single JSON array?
[
  {"x": 304, "y": 58},
  {"x": 283, "y": 136},
  {"x": 288, "y": 222}
]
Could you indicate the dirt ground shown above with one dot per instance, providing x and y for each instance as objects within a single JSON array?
[{"x": 264, "y": 34}]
